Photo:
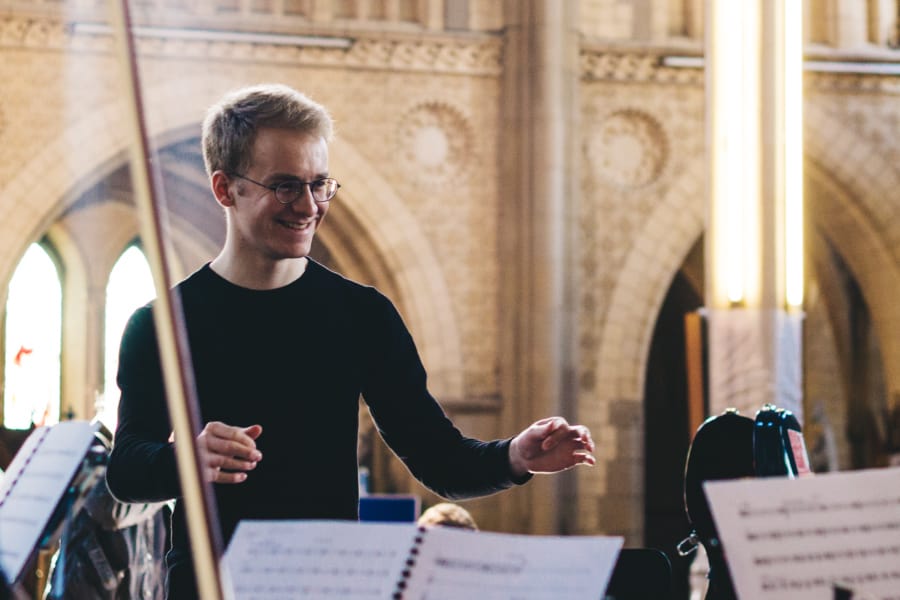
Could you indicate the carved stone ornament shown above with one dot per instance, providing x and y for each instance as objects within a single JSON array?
[
  {"x": 434, "y": 142},
  {"x": 628, "y": 149},
  {"x": 472, "y": 55},
  {"x": 607, "y": 65}
]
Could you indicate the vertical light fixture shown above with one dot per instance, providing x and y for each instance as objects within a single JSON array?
[
  {"x": 755, "y": 220},
  {"x": 733, "y": 145},
  {"x": 792, "y": 15},
  {"x": 734, "y": 57}
]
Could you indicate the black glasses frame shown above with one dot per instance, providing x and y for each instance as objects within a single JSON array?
[{"x": 284, "y": 189}]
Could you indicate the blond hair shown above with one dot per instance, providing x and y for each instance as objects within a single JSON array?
[
  {"x": 447, "y": 514},
  {"x": 231, "y": 124}
]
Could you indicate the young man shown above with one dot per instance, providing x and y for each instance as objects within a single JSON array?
[{"x": 282, "y": 349}]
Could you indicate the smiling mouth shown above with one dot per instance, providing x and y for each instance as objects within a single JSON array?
[{"x": 297, "y": 226}]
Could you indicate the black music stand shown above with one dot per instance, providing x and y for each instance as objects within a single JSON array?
[{"x": 640, "y": 573}]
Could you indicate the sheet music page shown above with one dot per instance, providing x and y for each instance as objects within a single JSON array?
[
  {"x": 273, "y": 560},
  {"x": 795, "y": 538},
  {"x": 33, "y": 485},
  {"x": 454, "y": 564}
]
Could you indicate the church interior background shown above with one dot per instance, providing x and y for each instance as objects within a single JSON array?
[{"x": 525, "y": 179}]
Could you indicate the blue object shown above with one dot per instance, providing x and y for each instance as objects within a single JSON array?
[{"x": 389, "y": 507}]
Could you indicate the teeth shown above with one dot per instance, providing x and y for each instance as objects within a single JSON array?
[{"x": 297, "y": 226}]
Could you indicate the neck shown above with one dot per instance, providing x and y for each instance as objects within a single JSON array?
[{"x": 267, "y": 275}]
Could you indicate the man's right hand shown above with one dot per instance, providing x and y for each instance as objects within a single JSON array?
[{"x": 228, "y": 452}]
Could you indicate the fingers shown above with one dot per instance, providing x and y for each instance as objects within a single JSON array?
[
  {"x": 587, "y": 459},
  {"x": 548, "y": 430},
  {"x": 229, "y": 451},
  {"x": 227, "y": 477},
  {"x": 573, "y": 444},
  {"x": 571, "y": 458},
  {"x": 237, "y": 437},
  {"x": 253, "y": 431},
  {"x": 561, "y": 431},
  {"x": 220, "y": 461},
  {"x": 233, "y": 448},
  {"x": 581, "y": 448},
  {"x": 584, "y": 436},
  {"x": 547, "y": 420}
]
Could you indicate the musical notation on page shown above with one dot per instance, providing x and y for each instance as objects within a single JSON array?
[
  {"x": 799, "y": 538},
  {"x": 455, "y": 564},
  {"x": 399, "y": 561},
  {"x": 290, "y": 559}
]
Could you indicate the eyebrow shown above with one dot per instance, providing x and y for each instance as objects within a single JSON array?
[{"x": 289, "y": 176}]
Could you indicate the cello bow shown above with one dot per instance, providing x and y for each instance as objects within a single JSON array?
[{"x": 175, "y": 359}]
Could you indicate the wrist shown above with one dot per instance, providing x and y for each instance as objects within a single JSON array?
[{"x": 517, "y": 464}]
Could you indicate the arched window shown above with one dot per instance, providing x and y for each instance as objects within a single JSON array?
[
  {"x": 31, "y": 388},
  {"x": 130, "y": 286}
]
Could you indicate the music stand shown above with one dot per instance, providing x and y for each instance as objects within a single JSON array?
[{"x": 640, "y": 573}]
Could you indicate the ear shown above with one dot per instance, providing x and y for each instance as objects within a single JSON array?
[{"x": 221, "y": 188}]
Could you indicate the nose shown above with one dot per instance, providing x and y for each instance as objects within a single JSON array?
[{"x": 306, "y": 204}]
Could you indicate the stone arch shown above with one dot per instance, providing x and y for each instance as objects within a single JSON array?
[
  {"x": 863, "y": 167},
  {"x": 678, "y": 221},
  {"x": 660, "y": 248},
  {"x": 396, "y": 240},
  {"x": 867, "y": 255},
  {"x": 861, "y": 217},
  {"x": 407, "y": 258}
]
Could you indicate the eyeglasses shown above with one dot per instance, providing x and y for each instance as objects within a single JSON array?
[{"x": 290, "y": 190}]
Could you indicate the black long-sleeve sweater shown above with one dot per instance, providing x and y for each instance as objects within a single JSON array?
[{"x": 294, "y": 360}]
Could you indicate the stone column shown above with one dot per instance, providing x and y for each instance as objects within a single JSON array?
[
  {"x": 539, "y": 187},
  {"x": 851, "y": 25}
]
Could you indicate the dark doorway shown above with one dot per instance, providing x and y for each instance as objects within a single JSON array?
[{"x": 666, "y": 436}]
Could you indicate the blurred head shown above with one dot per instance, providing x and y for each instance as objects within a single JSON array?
[
  {"x": 231, "y": 125},
  {"x": 446, "y": 514}
]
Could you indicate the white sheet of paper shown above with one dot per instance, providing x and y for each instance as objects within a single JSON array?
[
  {"x": 33, "y": 485},
  {"x": 792, "y": 539},
  {"x": 274, "y": 560},
  {"x": 277, "y": 560},
  {"x": 454, "y": 564}
]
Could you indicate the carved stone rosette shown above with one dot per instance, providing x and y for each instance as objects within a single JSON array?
[
  {"x": 628, "y": 149},
  {"x": 433, "y": 141}
]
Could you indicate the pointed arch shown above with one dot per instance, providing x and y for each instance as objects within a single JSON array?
[
  {"x": 129, "y": 286},
  {"x": 846, "y": 226},
  {"x": 861, "y": 216},
  {"x": 33, "y": 341},
  {"x": 394, "y": 242},
  {"x": 660, "y": 248}
]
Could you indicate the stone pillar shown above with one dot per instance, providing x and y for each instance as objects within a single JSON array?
[
  {"x": 433, "y": 18},
  {"x": 851, "y": 24},
  {"x": 321, "y": 11},
  {"x": 539, "y": 188},
  {"x": 883, "y": 16}
]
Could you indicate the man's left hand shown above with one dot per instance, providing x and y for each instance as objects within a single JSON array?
[{"x": 551, "y": 445}]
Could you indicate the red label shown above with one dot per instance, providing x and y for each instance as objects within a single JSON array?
[{"x": 798, "y": 448}]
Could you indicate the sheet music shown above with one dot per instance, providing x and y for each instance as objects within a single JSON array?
[
  {"x": 842, "y": 591},
  {"x": 795, "y": 538},
  {"x": 33, "y": 485},
  {"x": 274, "y": 560},
  {"x": 278, "y": 560},
  {"x": 454, "y": 564}
]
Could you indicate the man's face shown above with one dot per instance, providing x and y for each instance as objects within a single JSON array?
[{"x": 264, "y": 227}]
